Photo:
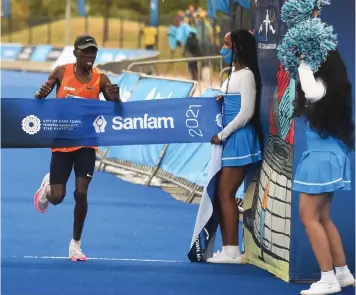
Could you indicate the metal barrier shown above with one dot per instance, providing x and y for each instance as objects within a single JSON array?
[
  {"x": 191, "y": 188},
  {"x": 209, "y": 59}
]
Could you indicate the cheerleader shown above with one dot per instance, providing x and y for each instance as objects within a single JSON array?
[
  {"x": 241, "y": 145},
  {"x": 324, "y": 99}
]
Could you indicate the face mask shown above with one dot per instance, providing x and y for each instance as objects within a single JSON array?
[{"x": 227, "y": 55}]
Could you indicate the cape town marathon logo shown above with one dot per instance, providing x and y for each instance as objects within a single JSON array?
[{"x": 32, "y": 124}]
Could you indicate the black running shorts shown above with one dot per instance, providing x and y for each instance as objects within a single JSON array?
[{"x": 62, "y": 163}]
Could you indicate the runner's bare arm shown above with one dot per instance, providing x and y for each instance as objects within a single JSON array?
[
  {"x": 110, "y": 91},
  {"x": 54, "y": 79}
]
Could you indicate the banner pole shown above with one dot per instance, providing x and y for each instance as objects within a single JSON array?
[{"x": 68, "y": 18}]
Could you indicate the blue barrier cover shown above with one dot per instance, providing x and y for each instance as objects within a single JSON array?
[
  {"x": 29, "y": 83},
  {"x": 127, "y": 83},
  {"x": 110, "y": 54},
  {"x": 9, "y": 52},
  {"x": 189, "y": 161},
  {"x": 211, "y": 92},
  {"x": 153, "y": 88},
  {"x": 40, "y": 53}
]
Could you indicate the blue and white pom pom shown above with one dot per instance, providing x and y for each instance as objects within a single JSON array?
[
  {"x": 321, "y": 3},
  {"x": 296, "y": 11},
  {"x": 312, "y": 40}
]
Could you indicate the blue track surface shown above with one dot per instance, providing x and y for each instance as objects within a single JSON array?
[{"x": 128, "y": 224}]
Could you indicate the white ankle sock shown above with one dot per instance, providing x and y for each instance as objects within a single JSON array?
[
  {"x": 232, "y": 251},
  {"x": 328, "y": 276},
  {"x": 341, "y": 270}
]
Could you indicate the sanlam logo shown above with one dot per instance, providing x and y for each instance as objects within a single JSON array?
[{"x": 145, "y": 122}]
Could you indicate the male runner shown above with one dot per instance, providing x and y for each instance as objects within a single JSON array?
[{"x": 78, "y": 80}]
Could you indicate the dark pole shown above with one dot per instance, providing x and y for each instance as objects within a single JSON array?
[
  {"x": 10, "y": 28},
  {"x": 49, "y": 30},
  {"x": 252, "y": 15},
  {"x": 106, "y": 22},
  {"x": 140, "y": 26},
  {"x": 157, "y": 28},
  {"x": 233, "y": 14},
  {"x": 86, "y": 23},
  {"x": 121, "y": 33},
  {"x": 29, "y": 24},
  {"x": 29, "y": 31}
]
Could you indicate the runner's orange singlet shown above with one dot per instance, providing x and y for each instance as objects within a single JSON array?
[{"x": 71, "y": 87}]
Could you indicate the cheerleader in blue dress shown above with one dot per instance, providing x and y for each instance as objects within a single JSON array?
[
  {"x": 324, "y": 99},
  {"x": 239, "y": 137}
]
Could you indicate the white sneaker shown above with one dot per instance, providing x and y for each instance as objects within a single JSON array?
[
  {"x": 221, "y": 257},
  {"x": 40, "y": 200},
  {"x": 75, "y": 253},
  {"x": 346, "y": 279},
  {"x": 322, "y": 288}
]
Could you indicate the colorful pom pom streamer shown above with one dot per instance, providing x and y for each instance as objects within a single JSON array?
[
  {"x": 296, "y": 11},
  {"x": 312, "y": 40}
]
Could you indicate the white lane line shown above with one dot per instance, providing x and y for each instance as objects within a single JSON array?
[{"x": 103, "y": 259}]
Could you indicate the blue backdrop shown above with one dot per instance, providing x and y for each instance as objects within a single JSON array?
[
  {"x": 275, "y": 238},
  {"x": 340, "y": 14}
]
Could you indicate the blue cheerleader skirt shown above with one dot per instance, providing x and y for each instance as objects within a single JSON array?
[
  {"x": 241, "y": 148},
  {"x": 324, "y": 168}
]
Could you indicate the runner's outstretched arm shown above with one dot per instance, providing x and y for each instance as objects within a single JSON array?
[
  {"x": 54, "y": 79},
  {"x": 110, "y": 91}
]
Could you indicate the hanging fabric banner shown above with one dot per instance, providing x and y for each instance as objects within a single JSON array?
[
  {"x": 6, "y": 8},
  {"x": 31, "y": 123},
  {"x": 82, "y": 10},
  {"x": 154, "y": 13}
]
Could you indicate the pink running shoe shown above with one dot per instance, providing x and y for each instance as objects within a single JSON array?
[
  {"x": 75, "y": 252},
  {"x": 40, "y": 200}
]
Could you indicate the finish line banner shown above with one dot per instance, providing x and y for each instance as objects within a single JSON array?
[{"x": 31, "y": 123}]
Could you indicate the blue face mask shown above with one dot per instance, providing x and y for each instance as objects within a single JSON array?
[{"x": 227, "y": 55}]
